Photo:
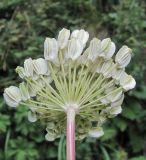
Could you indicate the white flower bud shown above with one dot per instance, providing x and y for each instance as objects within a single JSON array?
[
  {"x": 104, "y": 101},
  {"x": 99, "y": 63},
  {"x": 63, "y": 37},
  {"x": 21, "y": 72},
  {"x": 94, "y": 49},
  {"x": 35, "y": 76},
  {"x": 118, "y": 102},
  {"x": 107, "y": 90},
  {"x": 83, "y": 59},
  {"x": 107, "y": 48},
  {"x": 123, "y": 57},
  {"x": 50, "y": 136},
  {"x": 115, "y": 110},
  {"x": 107, "y": 68},
  {"x": 81, "y": 35},
  {"x": 115, "y": 95},
  {"x": 31, "y": 90},
  {"x": 51, "y": 50},
  {"x": 28, "y": 67},
  {"x": 40, "y": 66},
  {"x": 74, "y": 49},
  {"x": 24, "y": 91},
  {"x": 96, "y": 132},
  {"x": 117, "y": 73},
  {"x": 12, "y": 96},
  {"x": 50, "y": 125},
  {"x": 48, "y": 79},
  {"x": 41, "y": 83},
  {"x": 127, "y": 82},
  {"x": 32, "y": 116},
  {"x": 102, "y": 119}
]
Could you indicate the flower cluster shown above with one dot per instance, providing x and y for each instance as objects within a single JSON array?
[{"x": 91, "y": 80}]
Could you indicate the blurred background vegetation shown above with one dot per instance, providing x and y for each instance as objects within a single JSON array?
[{"x": 24, "y": 24}]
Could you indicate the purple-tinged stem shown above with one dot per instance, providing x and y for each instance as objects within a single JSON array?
[{"x": 71, "y": 134}]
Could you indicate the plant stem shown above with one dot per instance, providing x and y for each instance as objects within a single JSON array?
[
  {"x": 6, "y": 144},
  {"x": 60, "y": 148},
  {"x": 70, "y": 133}
]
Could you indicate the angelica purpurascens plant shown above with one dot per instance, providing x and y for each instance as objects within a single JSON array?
[{"x": 75, "y": 88}]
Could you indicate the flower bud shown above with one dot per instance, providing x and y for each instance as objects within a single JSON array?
[
  {"x": 81, "y": 35},
  {"x": 74, "y": 49},
  {"x": 40, "y": 66},
  {"x": 63, "y": 37},
  {"x": 20, "y": 71},
  {"x": 115, "y": 94},
  {"x": 32, "y": 116},
  {"x": 94, "y": 49},
  {"x": 115, "y": 110},
  {"x": 123, "y": 57},
  {"x": 104, "y": 101},
  {"x": 83, "y": 59},
  {"x": 12, "y": 96},
  {"x": 35, "y": 87},
  {"x": 99, "y": 63},
  {"x": 24, "y": 91},
  {"x": 107, "y": 90},
  {"x": 50, "y": 136},
  {"x": 50, "y": 125},
  {"x": 107, "y": 48},
  {"x": 96, "y": 132},
  {"x": 31, "y": 90},
  {"x": 51, "y": 50},
  {"x": 48, "y": 79},
  {"x": 102, "y": 119},
  {"x": 28, "y": 67},
  {"x": 118, "y": 102},
  {"x": 127, "y": 82},
  {"x": 41, "y": 83},
  {"x": 117, "y": 73},
  {"x": 107, "y": 68}
]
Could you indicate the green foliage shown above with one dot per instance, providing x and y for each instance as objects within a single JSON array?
[
  {"x": 24, "y": 24},
  {"x": 138, "y": 158}
]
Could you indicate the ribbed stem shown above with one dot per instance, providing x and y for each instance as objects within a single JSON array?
[{"x": 71, "y": 133}]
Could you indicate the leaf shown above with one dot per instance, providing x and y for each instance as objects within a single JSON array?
[
  {"x": 140, "y": 94},
  {"x": 105, "y": 153},
  {"x": 4, "y": 122},
  {"x": 109, "y": 133},
  {"x": 136, "y": 140},
  {"x": 21, "y": 155},
  {"x": 133, "y": 111},
  {"x": 120, "y": 123},
  {"x": 138, "y": 158}
]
